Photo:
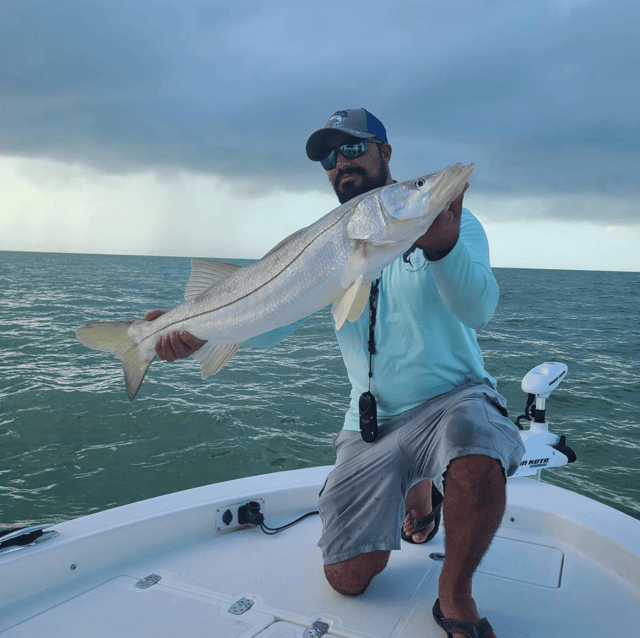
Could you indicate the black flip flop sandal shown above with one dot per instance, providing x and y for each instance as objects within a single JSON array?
[
  {"x": 433, "y": 516},
  {"x": 480, "y": 629}
]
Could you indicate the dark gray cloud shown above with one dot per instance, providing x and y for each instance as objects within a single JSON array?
[{"x": 543, "y": 97}]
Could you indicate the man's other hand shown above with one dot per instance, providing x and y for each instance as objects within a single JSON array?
[
  {"x": 443, "y": 233},
  {"x": 177, "y": 344}
]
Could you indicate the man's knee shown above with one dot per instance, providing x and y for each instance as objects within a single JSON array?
[
  {"x": 475, "y": 471},
  {"x": 352, "y": 576}
]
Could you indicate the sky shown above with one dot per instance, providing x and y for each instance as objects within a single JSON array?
[{"x": 178, "y": 128}]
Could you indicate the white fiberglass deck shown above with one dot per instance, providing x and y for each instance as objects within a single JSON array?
[{"x": 561, "y": 566}]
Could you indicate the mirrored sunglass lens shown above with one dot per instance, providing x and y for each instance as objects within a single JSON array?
[
  {"x": 329, "y": 162},
  {"x": 351, "y": 151}
]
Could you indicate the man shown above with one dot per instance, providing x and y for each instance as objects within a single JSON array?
[{"x": 439, "y": 415}]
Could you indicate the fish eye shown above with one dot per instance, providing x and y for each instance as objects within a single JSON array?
[{"x": 419, "y": 183}]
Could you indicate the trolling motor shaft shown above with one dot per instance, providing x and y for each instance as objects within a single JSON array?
[{"x": 540, "y": 382}]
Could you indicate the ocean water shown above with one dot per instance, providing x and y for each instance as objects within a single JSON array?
[{"x": 71, "y": 442}]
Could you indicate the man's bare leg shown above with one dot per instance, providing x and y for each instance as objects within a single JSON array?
[
  {"x": 475, "y": 498},
  {"x": 351, "y": 577},
  {"x": 474, "y": 506},
  {"x": 418, "y": 504}
]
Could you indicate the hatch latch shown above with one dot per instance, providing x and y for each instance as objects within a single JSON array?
[
  {"x": 151, "y": 579},
  {"x": 317, "y": 630},
  {"x": 240, "y": 606}
]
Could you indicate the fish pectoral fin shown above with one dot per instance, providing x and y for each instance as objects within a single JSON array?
[
  {"x": 356, "y": 266},
  {"x": 214, "y": 356},
  {"x": 205, "y": 273},
  {"x": 352, "y": 303},
  {"x": 359, "y": 303}
]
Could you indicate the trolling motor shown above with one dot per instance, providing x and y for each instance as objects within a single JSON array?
[{"x": 543, "y": 448}]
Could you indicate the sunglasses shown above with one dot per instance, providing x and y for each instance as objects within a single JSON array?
[{"x": 349, "y": 150}]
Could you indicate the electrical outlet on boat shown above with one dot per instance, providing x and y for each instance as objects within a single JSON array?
[{"x": 236, "y": 516}]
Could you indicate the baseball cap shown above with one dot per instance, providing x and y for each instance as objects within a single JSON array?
[{"x": 355, "y": 122}]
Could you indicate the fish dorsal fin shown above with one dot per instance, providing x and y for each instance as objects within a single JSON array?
[
  {"x": 352, "y": 303},
  {"x": 204, "y": 274},
  {"x": 214, "y": 356},
  {"x": 285, "y": 241}
]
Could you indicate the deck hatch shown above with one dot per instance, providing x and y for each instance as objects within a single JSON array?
[
  {"x": 524, "y": 561},
  {"x": 118, "y": 608}
]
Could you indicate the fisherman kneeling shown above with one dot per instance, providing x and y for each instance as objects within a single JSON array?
[{"x": 438, "y": 416}]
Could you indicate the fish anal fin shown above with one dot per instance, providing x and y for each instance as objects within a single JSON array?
[
  {"x": 214, "y": 356},
  {"x": 204, "y": 274},
  {"x": 352, "y": 303}
]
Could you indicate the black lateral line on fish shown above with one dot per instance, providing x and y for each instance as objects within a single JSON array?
[{"x": 201, "y": 314}]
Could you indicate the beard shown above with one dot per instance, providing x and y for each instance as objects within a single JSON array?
[{"x": 349, "y": 190}]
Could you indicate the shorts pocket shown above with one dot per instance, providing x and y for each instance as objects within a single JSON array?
[
  {"x": 338, "y": 440},
  {"x": 498, "y": 402}
]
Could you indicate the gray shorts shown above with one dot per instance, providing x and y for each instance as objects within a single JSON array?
[{"x": 362, "y": 501}]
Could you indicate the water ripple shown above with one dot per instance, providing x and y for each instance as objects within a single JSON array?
[{"x": 72, "y": 443}]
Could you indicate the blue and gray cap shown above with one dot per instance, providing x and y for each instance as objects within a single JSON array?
[{"x": 355, "y": 122}]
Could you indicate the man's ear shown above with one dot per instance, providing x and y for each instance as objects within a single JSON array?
[{"x": 385, "y": 149}]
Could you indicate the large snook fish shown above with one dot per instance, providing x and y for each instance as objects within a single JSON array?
[{"x": 333, "y": 260}]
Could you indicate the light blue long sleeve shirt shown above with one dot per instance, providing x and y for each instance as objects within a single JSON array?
[{"x": 425, "y": 333}]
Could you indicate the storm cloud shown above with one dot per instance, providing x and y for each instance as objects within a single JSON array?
[{"x": 542, "y": 96}]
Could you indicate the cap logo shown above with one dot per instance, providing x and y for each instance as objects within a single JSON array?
[{"x": 337, "y": 118}]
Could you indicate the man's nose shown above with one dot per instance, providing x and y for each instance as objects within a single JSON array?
[{"x": 341, "y": 160}]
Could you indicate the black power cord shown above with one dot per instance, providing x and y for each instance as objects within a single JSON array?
[
  {"x": 250, "y": 514},
  {"x": 274, "y": 530},
  {"x": 528, "y": 411}
]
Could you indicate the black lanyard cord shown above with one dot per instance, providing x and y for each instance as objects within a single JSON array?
[
  {"x": 373, "y": 309},
  {"x": 367, "y": 404}
]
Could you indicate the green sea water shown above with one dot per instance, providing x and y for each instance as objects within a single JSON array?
[{"x": 71, "y": 443}]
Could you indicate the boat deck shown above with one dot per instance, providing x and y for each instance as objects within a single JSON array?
[{"x": 549, "y": 572}]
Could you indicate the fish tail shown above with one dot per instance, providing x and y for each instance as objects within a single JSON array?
[{"x": 113, "y": 336}]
